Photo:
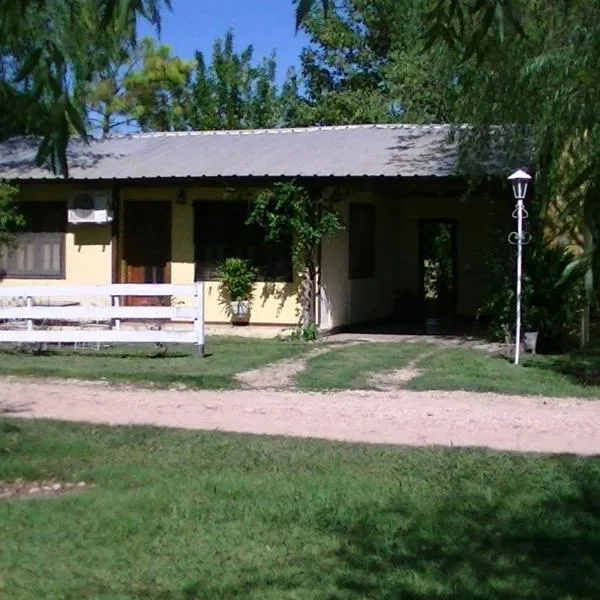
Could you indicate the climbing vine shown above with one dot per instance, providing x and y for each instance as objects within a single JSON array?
[{"x": 289, "y": 210}]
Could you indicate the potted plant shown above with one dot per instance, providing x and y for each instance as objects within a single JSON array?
[
  {"x": 533, "y": 321},
  {"x": 237, "y": 281}
]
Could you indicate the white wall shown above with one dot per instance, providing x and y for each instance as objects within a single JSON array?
[
  {"x": 343, "y": 300},
  {"x": 334, "y": 293}
]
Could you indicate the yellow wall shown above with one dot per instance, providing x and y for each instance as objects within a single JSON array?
[
  {"x": 88, "y": 256},
  {"x": 273, "y": 303},
  {"x": 341, "y": 300}
]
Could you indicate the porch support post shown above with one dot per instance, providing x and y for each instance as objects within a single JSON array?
[{"x": 199, "y": 319}]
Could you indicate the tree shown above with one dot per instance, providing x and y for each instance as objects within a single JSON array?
[
  {"x": 157, "y": 94},
  {"x": 461, "y": 23},
  {"x": 233, "y": 92},
  {"x": 104, "y": 95},
  {"x": 289, "y": 210},
  {"x": 543, "y": 85},
  {"x": 366, "y": 63},
  {"x": 58, "y": 46},
  {"x": 150, "y": 89}
]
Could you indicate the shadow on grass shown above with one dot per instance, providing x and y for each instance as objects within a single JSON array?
[
  {"x": 472, "y": 546},
  {"x": 148, "y": 351},
  {"x": 582, "y": 367},
  {"x": 472, "y": 543}
]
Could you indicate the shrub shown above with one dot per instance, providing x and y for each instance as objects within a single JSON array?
[{"x": 548, "y": 305}]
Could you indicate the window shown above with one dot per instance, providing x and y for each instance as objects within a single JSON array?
[
  {"x": 362, "y": 241},
  {"x": 220, "y": 232},
  {"x": 40, "y": 250}
]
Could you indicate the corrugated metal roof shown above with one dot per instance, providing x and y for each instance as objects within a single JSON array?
[{"x": 353, "y": 150}]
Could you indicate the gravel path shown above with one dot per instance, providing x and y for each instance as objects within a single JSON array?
[{"x": 398, "y": 417}]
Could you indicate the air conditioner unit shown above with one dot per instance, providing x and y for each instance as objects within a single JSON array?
[{"x": 90, "y": 207}]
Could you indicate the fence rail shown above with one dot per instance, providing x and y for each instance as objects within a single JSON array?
[
  {"x": 113, "y": 289},
  {"x": 40, "y": 323}
]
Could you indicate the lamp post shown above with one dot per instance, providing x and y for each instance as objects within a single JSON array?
[{"x": 519, "y": 181}]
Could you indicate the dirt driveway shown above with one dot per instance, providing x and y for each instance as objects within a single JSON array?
[{"x": 399, "y": 417}]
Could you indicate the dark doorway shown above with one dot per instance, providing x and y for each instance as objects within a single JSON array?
[
  {"x": 147, "y": 246},
  {"x": 437, "y": 262}
]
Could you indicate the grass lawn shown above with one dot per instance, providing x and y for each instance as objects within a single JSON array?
[
  {"x": 461, "y": 369},
  {"x": 140, "y": 364},
  {"x": 351, "y": 367},
  {"x": 575, "y": 374},
  {"x": 185, "y": 516}
]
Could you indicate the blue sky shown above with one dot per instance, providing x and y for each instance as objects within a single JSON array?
[{"x": 266, "y": 24}]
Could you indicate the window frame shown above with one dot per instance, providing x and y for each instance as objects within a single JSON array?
[
  {"x": 356, "y": 245},
  {"x": 203, "y": 271},
  {"x": 36, "y": 236}
]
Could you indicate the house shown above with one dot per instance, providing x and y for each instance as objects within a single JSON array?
[{"x": 170, "y": 206}]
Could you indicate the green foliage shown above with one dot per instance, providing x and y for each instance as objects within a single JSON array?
[
  {"x": 550, "y": 304},
  {"x": 466, "y": 25},
  {"x": 289, "y": 210},
  {"x": 305, "y": 332},
  {"x": 238, "y": 278},
  {"x": 10, "y": 217},
  {"x": 148, "y": 87},
  {"x": 157, "y": 94},
  {"x": 143, "y": 85},
  {"x": 233, "y": 91},
  {"x": 367, "y": 62},
  {"x": 58, "y": 47}
]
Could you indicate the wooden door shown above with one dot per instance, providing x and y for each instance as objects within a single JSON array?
[{"x": 147, "y": 246}]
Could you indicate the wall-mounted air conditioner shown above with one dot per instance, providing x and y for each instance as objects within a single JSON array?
[{"x": 90, "y": 207}]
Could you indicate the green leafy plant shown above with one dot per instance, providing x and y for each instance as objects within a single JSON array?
[
  {"x": 288, "y": 209},
  {"x": 305, "y": 333},
  {"x": 550, "y": 305},
  {"x": 10, "y": 217},
  {"x": 237, "y": 279}
]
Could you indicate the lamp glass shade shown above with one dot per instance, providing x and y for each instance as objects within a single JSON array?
[{"x": 519, "y": 181}]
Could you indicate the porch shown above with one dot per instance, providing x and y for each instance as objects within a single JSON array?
[{"x": 412, "y": 259}]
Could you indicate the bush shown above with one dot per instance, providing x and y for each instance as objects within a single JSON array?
[{"x": 548, "y": 306}]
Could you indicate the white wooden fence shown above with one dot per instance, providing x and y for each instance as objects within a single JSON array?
[{"x": 32, "y": 322}]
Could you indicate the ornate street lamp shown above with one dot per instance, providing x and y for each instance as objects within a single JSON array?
[{"x": 520, "y": 182}]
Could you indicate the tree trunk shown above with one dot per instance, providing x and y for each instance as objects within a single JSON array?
[
  {"x": 308, "y": 294},
  {"x": 106, "y": 117},
  {"x": 588, "y": 278}
]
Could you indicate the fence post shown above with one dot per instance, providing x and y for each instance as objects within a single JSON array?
[
  {"x": 199, "y": 318},
  {"x": 116, "y": 302},
  {"x": 29, "y": 305}
]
